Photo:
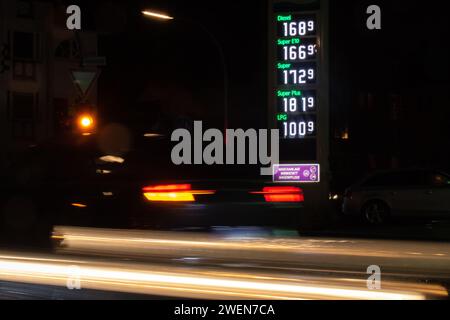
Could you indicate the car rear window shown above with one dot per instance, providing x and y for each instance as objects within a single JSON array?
[{"x": 396, "y": 179}]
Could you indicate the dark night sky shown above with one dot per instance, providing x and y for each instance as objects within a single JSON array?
[
  {"x": 180, "y": 57},
  {"x": 407, "y": 60}
]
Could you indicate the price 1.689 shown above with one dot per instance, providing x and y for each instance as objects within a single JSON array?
[{"x": 298, "y": 28}]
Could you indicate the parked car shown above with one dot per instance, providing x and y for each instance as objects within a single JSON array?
[{"x": 400, "y": 194}]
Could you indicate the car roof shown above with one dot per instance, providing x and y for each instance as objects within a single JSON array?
[{"x": 400, "y": 170}]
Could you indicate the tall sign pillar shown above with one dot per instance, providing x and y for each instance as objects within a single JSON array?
[{"x": 298, "y": 98}]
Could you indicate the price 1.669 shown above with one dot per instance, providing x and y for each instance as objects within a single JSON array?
[{"x": 299, "y": 52}]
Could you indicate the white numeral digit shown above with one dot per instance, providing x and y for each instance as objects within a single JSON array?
[
  {"x": 292, "y": 129},
  {"x": 302, "y": 52},
  {"x": 290, "y": 105},
  {"x": 301, "y": 76},
  {"x": 302, "y": 28},
  {"x": 293, "y": 29}
]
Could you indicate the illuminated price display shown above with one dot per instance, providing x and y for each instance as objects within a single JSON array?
[
  {"x": 296, "y": 101},
  {"x": 298, "y": 96},
  {"x": 297, "y": 73},
  {"x": 293, "y": 25},
  {"x": 297, "y": 78},
  {"x": 297, "y": 126},
  {"x": 297, "y": 49}
]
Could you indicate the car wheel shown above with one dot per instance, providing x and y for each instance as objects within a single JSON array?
[{"x": 376, "y": 213}]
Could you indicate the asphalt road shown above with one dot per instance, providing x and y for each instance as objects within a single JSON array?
[{"x": 226, "y": 264}]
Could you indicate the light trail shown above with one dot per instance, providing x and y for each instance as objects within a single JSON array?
[
  {"x": 414, "y": 257},
  {"x": 157, "y": 280}
]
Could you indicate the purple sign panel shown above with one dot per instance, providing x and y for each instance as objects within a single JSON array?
[{"x": 296, "y": 173}]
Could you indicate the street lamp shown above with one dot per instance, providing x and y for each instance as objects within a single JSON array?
[
  {"x": 161, "y": 16},
  {"x": 156, "y": 15}
]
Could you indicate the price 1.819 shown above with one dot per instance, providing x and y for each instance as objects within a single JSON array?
[{"x": 302, "y": 104}]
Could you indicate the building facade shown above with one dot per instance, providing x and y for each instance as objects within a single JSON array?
[{"x": 38, "y": 58}]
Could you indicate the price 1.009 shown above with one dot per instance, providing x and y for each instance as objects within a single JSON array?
[{"x": 299, "y": 129}]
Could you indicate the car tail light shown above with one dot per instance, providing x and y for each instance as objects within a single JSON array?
[
  {"x": 173, "y": 193},
  {"x": 282, "y": 194}
]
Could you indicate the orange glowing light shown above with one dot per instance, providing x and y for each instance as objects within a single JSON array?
[
  {"x": 79, "y": 205},
  {"x": 86, "y": 122}
]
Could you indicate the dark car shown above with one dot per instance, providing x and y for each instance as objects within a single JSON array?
[
  {"x": 405, "y": 194},
  {"x": 130, "y": 182}
]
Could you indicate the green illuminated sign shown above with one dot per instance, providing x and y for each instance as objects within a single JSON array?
[
  {"x": 282, "y": 117},
  {"x": 286, "y": 42},
  {"x": 288, "y": 93},
  {"x": 283, "y": 66},
  {"x": 284, "y": 18}
]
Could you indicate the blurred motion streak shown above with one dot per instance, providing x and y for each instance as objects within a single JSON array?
[
  {"x": 79, "y": 205},
  {"x": 166, "y": 280},
  {"x": 427, "y": 257},
  {"x": 112, "y": 159},
  {"x": 157, "y": 15}
]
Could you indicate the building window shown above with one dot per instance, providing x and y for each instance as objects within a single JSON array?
[
  {"x": 24, "y": 70},
  {"x": 68, "y": 49},
  {"x": 22, "y": 115},
  {"x": 25, "y": 9},
  {"x": 26, "y": 46}
]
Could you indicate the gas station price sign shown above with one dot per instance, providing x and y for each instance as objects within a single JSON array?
[
  {"x": 298, "y": 95},
  {"x": 297, "y": 70}
]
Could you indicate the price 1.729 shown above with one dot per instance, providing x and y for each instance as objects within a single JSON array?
[{"x": 297, "y": 76}]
